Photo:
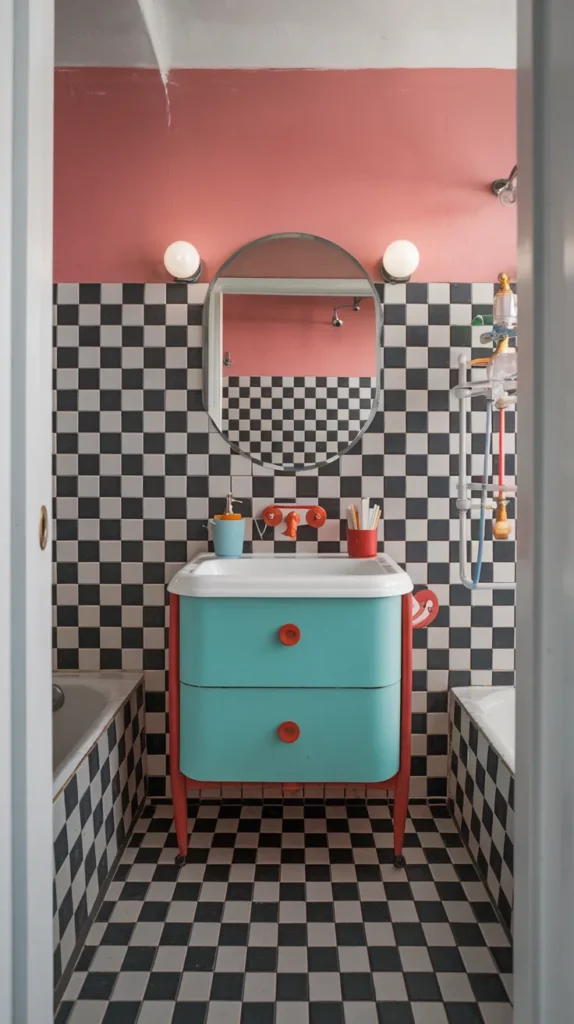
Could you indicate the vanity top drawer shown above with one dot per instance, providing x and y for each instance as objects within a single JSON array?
[{"x": 229, "y": 642}]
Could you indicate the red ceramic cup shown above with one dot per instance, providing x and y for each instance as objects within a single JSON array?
[{"x": 362, "y": 543}]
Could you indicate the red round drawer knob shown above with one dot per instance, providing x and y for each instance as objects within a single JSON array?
[
  {"x": 289, "y": 732},
  {"x": 289, "y": 634}
]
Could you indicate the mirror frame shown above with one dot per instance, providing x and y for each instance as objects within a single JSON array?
[{"x": 212, "y": 327}]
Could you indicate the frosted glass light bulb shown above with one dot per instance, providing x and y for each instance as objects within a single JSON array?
[
  {"x": 400, "y": 260},
  {"x": 182, "y": 261}
]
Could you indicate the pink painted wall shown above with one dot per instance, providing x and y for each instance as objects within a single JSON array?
[
  {"x": 360, "y": 157},
  {"x": 271, "y": 335}
]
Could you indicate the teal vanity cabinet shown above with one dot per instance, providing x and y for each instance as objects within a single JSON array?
[{"x": 290, "y": 671}]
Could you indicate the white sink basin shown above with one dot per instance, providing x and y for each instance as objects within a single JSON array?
[{"x": 291, "y": 576}]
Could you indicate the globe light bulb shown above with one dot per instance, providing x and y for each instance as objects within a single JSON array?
[
  {"x": 400, "y": 260},
  {"x": 182, "y": 261}
]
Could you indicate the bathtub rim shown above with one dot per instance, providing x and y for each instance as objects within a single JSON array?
[
  {"x": 470, "y": 706},
  {"x": 119, "y": 687}
]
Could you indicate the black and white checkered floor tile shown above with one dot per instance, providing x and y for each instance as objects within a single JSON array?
[{"x": 293, "y": 913}]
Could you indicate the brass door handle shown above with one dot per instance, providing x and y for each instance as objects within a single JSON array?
[{"x": 43, "y": 527}]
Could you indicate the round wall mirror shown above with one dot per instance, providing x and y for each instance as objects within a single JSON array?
[{"x": 292, "y": 327}]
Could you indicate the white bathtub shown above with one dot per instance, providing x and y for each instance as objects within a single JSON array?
[
  {"x": 493, "y": 709},
  {"x": 92, "y": 699}
]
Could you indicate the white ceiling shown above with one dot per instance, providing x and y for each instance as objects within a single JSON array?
[
  {"x": 102, "y": 32},
  {"x": 287, "y": 33}
]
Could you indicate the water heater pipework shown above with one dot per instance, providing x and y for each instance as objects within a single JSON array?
[{"x": 499, "y": 390}]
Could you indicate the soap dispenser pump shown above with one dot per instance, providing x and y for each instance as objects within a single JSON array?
[{"x": 229, "y": 513}]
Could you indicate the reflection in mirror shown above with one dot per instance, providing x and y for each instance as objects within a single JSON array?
[{"x": 292, "y": 325}]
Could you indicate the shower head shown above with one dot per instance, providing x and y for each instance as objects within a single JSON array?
[
  {"x": 508, "y": 195},
  {"x": 505, "y": 188}
]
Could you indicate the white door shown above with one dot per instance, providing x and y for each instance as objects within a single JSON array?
[
  {"x": 544, "y": 838},
  {"x": 26, "y": 156}
]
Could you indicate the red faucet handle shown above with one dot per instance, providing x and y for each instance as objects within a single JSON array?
[
  {"x": 316, "y": 516},
  {"x": 272, "y": 515}
]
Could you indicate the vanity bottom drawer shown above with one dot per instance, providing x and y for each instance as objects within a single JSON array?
[{"x": 233, "y": 734}]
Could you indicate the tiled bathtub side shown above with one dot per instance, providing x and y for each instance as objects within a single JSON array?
[
  {"x": 92, "y": 816},
  {"x": 481, "y": 796}
]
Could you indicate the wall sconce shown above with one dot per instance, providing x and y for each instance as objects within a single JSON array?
[
  {"x": 400, "y": 260},
  {"x": 505, "y": 188},
  {"x": 182, "y": 261}
]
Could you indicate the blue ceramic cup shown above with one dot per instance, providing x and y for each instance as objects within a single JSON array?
[{"x": 228, "y": 535}]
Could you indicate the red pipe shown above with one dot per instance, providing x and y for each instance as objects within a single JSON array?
[
  {"x": 403, "y": 776},
  {"x": 178, "y": 780}
]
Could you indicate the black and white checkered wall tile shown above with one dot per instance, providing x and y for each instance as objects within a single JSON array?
[
  {"x": 92, "y": 816},
  {"x": 138, "y": 470},
  {"x": 295, "y": 421},
  {"x": 481, "y": 796}
]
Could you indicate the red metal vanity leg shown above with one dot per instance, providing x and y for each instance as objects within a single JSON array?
[
  {"x": 178, "y": 781},
  {"x": 404, "y": 775}
]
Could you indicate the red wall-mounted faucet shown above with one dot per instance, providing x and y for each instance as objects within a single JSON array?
[
  {"x": 273, "y": 516},
  {"x": 292, "y": 521}
]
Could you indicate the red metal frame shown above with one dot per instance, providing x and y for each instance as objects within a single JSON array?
[
  {"x": 178, "y": 779},
  {"x": 399, "y": 782}
]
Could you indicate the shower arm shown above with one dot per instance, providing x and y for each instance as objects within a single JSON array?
[{"x": 355, "y": 305}]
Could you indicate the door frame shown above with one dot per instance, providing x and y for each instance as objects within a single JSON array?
[
  {"x": 544, "y": 834},
  {"x": 6, "y": 100},
  {"x": 26, "y": 200}
]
